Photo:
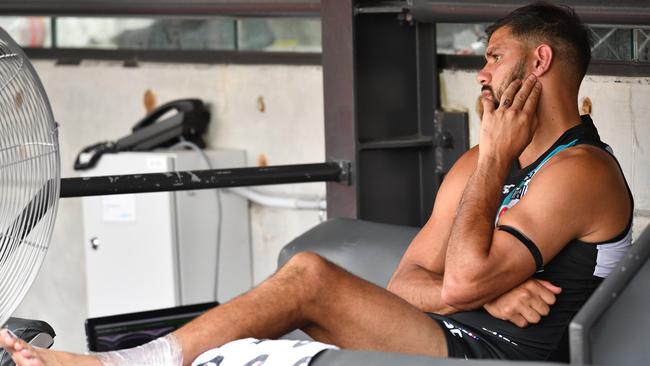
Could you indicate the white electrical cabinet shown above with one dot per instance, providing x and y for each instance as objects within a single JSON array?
[{"x": 155, "y": 250}]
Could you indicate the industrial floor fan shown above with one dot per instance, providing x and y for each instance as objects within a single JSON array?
[{"x": 29, "y": 175}]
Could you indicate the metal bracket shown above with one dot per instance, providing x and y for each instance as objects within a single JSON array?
[
  {"x": 451, "y": 139},
  {"x": 346, "y": 172}
]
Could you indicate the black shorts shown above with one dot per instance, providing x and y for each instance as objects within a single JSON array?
[{"x": 469, "y": 343}]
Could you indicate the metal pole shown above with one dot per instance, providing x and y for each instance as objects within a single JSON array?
[
  {"x": 632, "y": 12},
  {"x": 339, "y": 79},
  {"x": 204, "y": 179},
  {"x": 258, "y": 8}
]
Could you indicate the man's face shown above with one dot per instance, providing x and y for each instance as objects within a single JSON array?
[{"x": 506, "y": 61}]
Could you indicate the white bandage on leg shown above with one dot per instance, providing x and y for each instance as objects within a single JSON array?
[{"x": 162, "y": 351}]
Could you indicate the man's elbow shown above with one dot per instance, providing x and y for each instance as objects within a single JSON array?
[
  {"x": 393, "y": 287},
  {"x": 460, "y": 294},
  {"x": 396, "y": 285}
]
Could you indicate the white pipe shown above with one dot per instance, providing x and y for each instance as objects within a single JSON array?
[
  {"x": 263, "y": 198},
  {"x": 278, "y": 201}
]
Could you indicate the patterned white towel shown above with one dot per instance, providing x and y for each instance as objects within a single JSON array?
[{"x": 256, "y": 352}]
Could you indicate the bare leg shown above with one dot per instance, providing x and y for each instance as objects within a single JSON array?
[{"x": 330, "y": 304}]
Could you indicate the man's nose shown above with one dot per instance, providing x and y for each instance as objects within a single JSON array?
[{"x": 483, "y": 77}]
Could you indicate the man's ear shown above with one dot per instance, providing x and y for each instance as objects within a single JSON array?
[{"x": 542, "y": 58}]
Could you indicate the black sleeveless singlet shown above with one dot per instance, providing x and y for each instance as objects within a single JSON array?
[{"x": 578, "y": 269}]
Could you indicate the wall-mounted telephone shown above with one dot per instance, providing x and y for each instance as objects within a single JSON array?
[{"x": 189, "y": 122}]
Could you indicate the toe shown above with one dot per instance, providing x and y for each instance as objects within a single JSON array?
[
  {"x": 18, "y": 345},
  {"x": 7, "y": 340},
  {"x": 26, "y": 359},
  {"x": 28, "y": 353}
]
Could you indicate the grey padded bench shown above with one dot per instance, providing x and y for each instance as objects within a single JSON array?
[{"x": 610, "y": 329}]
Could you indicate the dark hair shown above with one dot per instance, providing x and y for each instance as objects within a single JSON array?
[{"x": 559, "y": 26}]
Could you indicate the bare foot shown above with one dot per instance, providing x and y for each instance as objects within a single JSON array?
[{"x": 24, "y": 354}]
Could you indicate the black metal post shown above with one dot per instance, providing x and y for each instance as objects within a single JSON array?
[
  {"x": 339, "y": 76},
  {"x": 380, "y": 93},
  {"x": 204, "y": 179},
  {"x": 380, "y": 80},
  {"x": 54, "y": 29}
]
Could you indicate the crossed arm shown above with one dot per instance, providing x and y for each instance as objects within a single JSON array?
[
  {"x": 458, "y": 261},
  {"x": 419, "y": 277}
]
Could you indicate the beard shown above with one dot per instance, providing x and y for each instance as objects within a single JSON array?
[{"x": 517, "y": 72}]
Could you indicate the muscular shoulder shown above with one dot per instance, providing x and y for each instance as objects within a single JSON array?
[
  {"x": 584, "y": 164},
  {"x": 590, "y": 181}
]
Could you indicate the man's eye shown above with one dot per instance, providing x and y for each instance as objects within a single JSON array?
[{"x": 497, "y": 57}]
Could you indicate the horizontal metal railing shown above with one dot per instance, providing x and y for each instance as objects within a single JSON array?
[
  {"x": 204, "y": 179},
  {"x": 620, "y": 12},
  {"x": 161, "y": 7}
]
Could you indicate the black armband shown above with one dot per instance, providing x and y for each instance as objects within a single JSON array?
[{"x": 532, "y": 248}]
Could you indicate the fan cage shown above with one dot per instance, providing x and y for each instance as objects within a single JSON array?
[{"x": 29, "y": 175}]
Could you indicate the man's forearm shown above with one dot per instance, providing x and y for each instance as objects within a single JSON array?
[
  {"x": 467, "y": 248},
  {"x": 473, "y": 226},
  {"x": 422, "y": 289},
  {"x": 471, "y": 234}
]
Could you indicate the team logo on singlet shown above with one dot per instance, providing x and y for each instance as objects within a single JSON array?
[
  {"x": 507, "y": 188},
  {"x": 513, "y": 196}
]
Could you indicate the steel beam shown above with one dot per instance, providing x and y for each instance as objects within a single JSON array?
[
  {"x": 261, "y": 8},
  {"x": 629, "y": 12}
]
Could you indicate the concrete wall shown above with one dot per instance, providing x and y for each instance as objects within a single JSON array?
[{"x": 101, "y": 101}]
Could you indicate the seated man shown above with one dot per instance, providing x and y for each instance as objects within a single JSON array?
[{"x": 524, "y": 228}]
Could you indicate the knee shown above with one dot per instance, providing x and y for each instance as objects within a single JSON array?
[
  {"x": 309, "y": 267},
  {"x": 307, "y": 262},
  {"x": 313, "y": 282}
]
